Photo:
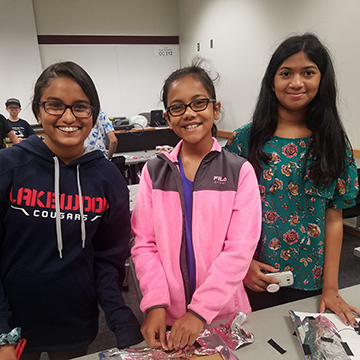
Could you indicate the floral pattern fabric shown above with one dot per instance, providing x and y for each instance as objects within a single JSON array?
[
  {"x": 97, "y": 136},
  {"x": 293, "y": 208}
]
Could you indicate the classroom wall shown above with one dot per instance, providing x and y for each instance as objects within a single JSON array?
[
  {"x": 246, "y": 32},
  {"x": 106, "y": 17},
  {"x": 128, "y": 76},
  {"x": 20, "y": 58}
]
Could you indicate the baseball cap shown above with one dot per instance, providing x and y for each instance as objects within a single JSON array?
[{"x": 12, "y": 101}]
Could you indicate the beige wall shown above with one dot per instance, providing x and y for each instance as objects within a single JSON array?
[
  {"x": 20, "y": 58},
  {"x": 106, "y": 17},
  {"x": 246, "y": 32},
  {"x": 128, "y": 78}
]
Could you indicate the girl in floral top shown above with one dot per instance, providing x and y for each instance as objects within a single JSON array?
[{"x": 307, "y": 175}]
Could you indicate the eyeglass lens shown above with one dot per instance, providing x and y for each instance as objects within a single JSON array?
[
  {"x": 196, "y": 105},
  {"x": 78, "y": 110}
]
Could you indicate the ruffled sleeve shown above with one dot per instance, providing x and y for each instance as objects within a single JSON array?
[{"x": 238, "y": 142}]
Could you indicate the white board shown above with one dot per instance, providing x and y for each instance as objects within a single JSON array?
[{"x": 128, "y": 78}]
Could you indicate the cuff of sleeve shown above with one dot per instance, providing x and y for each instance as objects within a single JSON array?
[
  {"x": 197, "y": 315},
  {"x": 127, "y": 337},
  {"x": 12, "y": 338},
  {"x": 155, "y": 307}
]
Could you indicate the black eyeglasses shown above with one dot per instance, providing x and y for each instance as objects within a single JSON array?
[
  {"x": 81, "y": 111},
  {"x": 196, "y": 105}
]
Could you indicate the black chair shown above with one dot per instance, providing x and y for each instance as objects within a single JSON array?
[
  {"x": 126, "y": 170},
  {"x": 130, "y": 271},
  {"x": 119, "y": 161}
]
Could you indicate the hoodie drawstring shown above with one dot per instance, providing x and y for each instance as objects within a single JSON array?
[
  {"x": 57, "y": 206},
  {"x": 81, "y": 207}
]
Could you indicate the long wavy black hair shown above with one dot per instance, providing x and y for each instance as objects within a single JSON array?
[{"x": 328, "y": 148}]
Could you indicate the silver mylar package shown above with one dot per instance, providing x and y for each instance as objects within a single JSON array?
[
  {"x": 319, "y": 338},
  {"x": 222, "y": 339}
]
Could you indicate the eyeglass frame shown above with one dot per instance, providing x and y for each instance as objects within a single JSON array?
[
  {"x": 42, "y": 103},
  {"x": 189, "y": 105}
]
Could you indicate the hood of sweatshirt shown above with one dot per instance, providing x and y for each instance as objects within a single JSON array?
[{"x": 35, "y": 146}]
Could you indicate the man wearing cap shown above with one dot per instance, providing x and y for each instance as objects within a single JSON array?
[
  {"x": 21, "y": 128},
  {"x": 6, "y": 131}
]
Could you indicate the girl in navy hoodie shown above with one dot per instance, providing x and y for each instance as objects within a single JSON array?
[{"x": 64, "y": 228}]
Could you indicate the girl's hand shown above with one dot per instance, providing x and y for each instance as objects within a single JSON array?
[
  {"x": 154, "y": 328},
  {"x": 7, "y": 352},
  {"x": 255, "y": 279},
  {"x": 330, "y": 299},
  {"x": 184, "y": 331}
]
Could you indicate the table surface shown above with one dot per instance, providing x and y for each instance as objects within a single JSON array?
[
  {"x": 274, "y": 323},
  {"x": 132, "y": 195},
  {"x": 135, "y": 157}
]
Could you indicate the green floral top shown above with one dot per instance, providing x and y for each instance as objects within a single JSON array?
[{"x": 293, "y": 208}]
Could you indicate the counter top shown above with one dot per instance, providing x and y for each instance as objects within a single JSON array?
[{"x": 274, "y": 323}]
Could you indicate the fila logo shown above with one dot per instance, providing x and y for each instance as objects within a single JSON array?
[{"x": 219, "y": 180}]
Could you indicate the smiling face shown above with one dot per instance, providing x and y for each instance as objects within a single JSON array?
[
  {"x": 64, "y": 134},
  {"x": 193, "y": 127},
  {"x": 296, "y": 83}
]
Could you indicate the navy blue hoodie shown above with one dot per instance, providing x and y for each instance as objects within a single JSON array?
[{"x": 64, "y": 237}]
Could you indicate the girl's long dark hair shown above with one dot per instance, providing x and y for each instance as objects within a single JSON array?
[{"x": 328, "y": 148}]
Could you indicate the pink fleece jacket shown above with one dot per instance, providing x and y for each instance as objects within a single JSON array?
[{"x": 225, "y": 231}]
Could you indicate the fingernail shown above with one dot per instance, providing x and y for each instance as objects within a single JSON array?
[
  {"x": 355, "y": 324},
  {"x": 347, "y": 323}
]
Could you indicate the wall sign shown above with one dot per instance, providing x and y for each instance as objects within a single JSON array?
[{"x": 164, "y": 51}]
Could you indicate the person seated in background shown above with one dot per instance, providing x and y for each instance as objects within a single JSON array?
[
  {"x": 21, "y": 127},
  {"x": 96, "y": 138},
  {"x": 6, "y": 131}
]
